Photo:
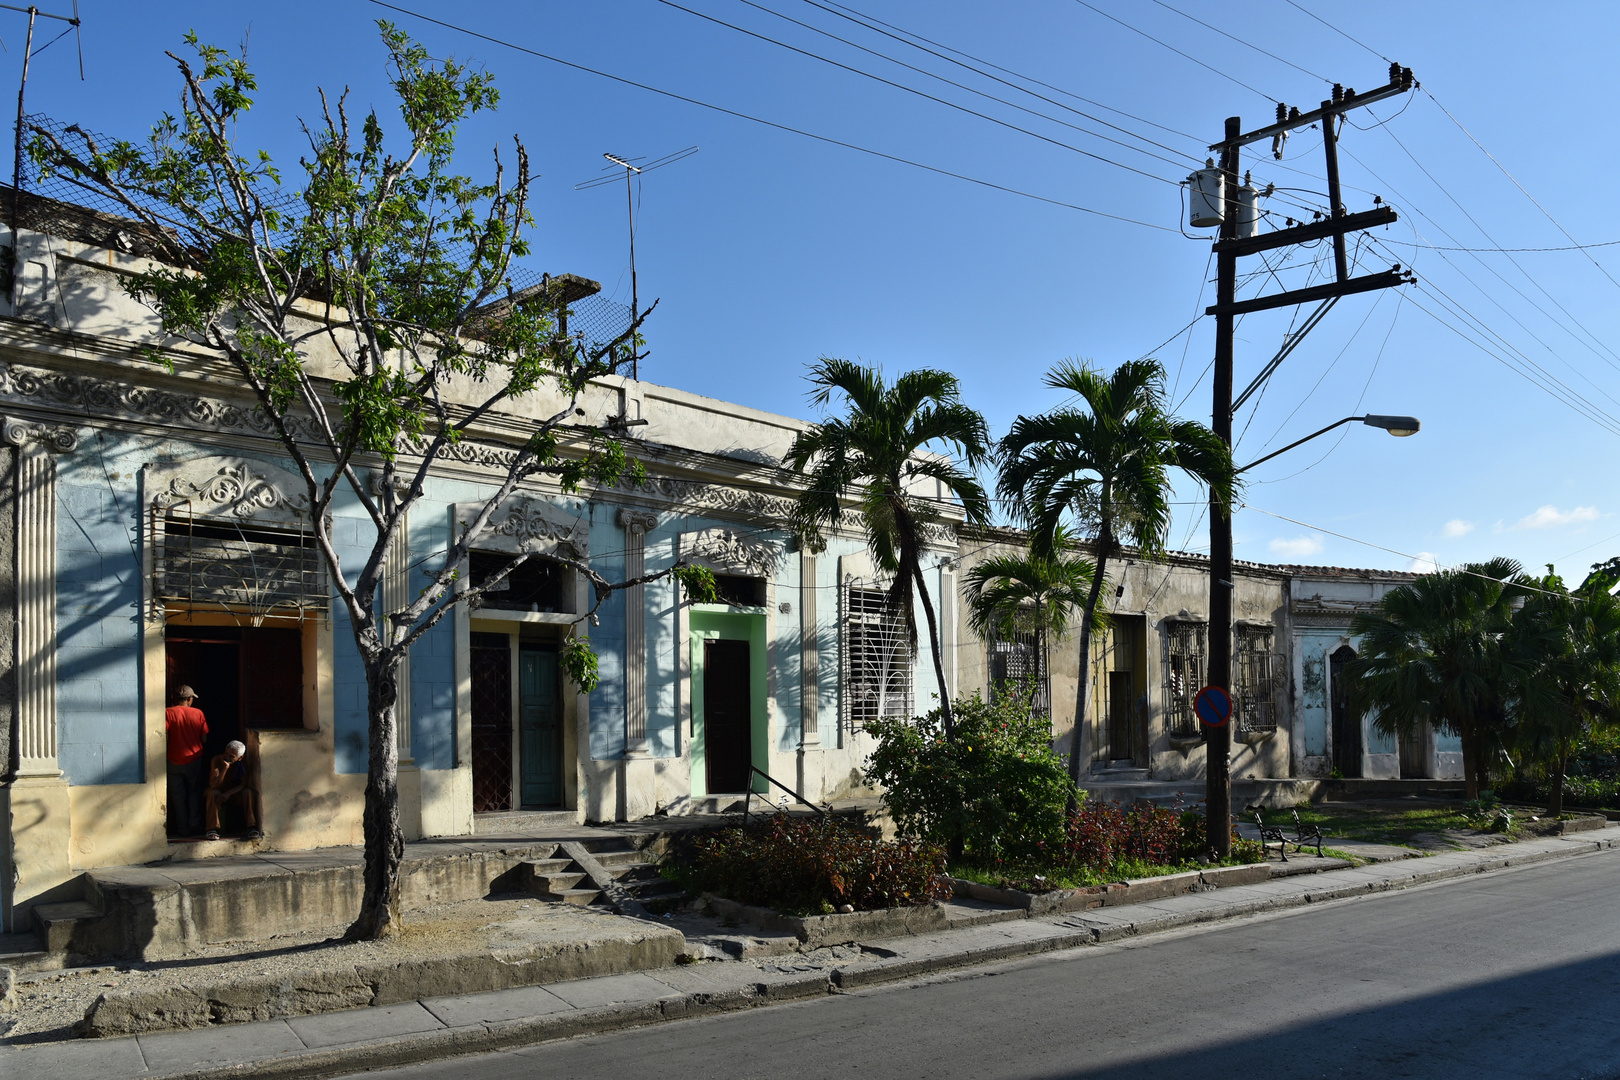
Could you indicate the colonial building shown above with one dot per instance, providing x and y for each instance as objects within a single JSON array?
[{"x": 158, "y": 537}]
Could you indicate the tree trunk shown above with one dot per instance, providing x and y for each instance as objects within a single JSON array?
[
  {"x": 1087, "y": 617},
  {"x": 1555, "y": 804},
  {"x": 385, "y": 844},
  {"x": 1470, "y": 776},
  {"x": 933, "y": 644}
]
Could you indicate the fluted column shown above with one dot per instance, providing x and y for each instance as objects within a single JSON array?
[
  {"x": 37, "y": 447},
  {"x": 636, "y": 524},
  {"x": 396, "y": 597}
]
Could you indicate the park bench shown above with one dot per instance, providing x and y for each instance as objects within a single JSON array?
[{"x": 1274, "y": 834}]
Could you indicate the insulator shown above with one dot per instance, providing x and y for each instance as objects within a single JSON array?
[{"x": 1338, "y": 93}]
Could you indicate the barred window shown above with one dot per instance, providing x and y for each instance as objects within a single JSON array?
[
  {"x": 1257, "y": 684},
  {"x": 1015, "y": 662},
  {"x": 535, "y": 584},
  {"x": 221, "y": 563},
  {"x": 1184, "y": 667},
  {"x": 876, "y": 658}
]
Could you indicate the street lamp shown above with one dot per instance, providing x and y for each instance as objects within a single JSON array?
[
  {"x": 1399, "y": 426},
  {"x": 1218, "y": 739}
]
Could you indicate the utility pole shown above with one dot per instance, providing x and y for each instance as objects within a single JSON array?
[{"x": 1228, "y": 249}]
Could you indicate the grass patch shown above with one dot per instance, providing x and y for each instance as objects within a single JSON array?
[
  {"x": 1382, "y": 825},
  {"x": 1044, "y": 879}
]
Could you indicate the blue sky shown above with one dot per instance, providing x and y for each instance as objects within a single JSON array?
[{"x": 768, "y": 249}]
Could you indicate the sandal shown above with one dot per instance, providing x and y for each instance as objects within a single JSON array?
[{"x": 210, "y": 835}]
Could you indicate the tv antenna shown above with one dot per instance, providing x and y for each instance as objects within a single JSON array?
[
  {"x": 631, "y": 169},
  {"x": 33, "y": 14}
]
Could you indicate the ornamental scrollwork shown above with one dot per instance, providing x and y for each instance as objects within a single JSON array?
[
  {"x": 732, "y": 552},
  {"x": 61, "y": 440},
  {"x": 235, "y": 490}
]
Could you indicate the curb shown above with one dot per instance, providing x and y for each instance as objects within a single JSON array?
[{"x": 1085, "y": 930}]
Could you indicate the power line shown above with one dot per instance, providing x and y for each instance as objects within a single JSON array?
[
  {"x": 1178, "y": 52},
  {"x": 1244, "y": 43},
  {"x": 770, "y": 123},
  {"x": 976, "y": 71},
  {"x": 1341, "y": 33},
  {"x": 925, "y": 95}
]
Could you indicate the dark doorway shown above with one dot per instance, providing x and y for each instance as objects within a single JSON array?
[
  {"x": 1346, "y": 728},
  {"x": 539, "y": 727},
  {"x": 728, "y": 746},
  {"x": 245, "y": 677},
  {"x": 491, "y": 721},
  {"x": 1121, "y": 723}
]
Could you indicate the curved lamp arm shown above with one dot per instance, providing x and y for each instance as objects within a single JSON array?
[{"x": 1400, "y": 426}]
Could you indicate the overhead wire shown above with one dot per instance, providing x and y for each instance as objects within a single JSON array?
[
  {"x": 1178, "y": 52},
  {"x": 924, "y": 94},
  {"x": 1245, "y": 43},
  {"x": 831, "y": 141},
  {"x": 850, "y": 15}
]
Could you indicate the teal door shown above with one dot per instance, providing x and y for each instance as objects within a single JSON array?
[{"x": 540, "y": 732}]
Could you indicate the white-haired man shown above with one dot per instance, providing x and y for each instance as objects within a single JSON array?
[{"x": 228, "y": 781}]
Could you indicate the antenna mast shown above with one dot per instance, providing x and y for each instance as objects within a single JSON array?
[
  {"x": 33, "y": 13},
  {"x": 632, "y": 170}
]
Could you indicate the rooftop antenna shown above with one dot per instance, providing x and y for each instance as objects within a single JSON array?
[
  {"x": 33, "y": 13},
  {"x": 631, "y": 170}
]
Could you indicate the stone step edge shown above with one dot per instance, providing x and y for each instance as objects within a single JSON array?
[{"x": 400, "y": 1051}]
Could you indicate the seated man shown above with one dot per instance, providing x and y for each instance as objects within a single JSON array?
[{"x": 227, "y": 781}]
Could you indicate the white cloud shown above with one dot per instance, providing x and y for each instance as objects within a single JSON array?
[
  {"x": 1425, "y": 563},
  {"x": 1297, "y": 548},
  {"x": 1550, "y": 517},
  {"x": 1457, "y": 527}
]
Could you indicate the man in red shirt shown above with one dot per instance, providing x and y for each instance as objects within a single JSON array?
[{"x": 187, "y": 728}]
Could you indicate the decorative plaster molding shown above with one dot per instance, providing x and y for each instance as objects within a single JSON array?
[
  {"x": 526, "y": 524},
  {"x": 240, "y": 488},
  {"x": 109, "y": 398},
  {"x": 637, "y": 521},
  {"x": 60, "y": 440},
  {"x": 731, "y": 552}
]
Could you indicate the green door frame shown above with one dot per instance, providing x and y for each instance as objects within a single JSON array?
[{"x": 710, "y": 622}]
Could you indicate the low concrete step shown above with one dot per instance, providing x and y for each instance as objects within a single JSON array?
[
  {"x": 615, "y": 860},
  {"x": 24, "y": 953},
  {"x": 55, "y": 923},
  {"x": 558, "y": 883},
  {"x": 523, "y": 822},
  {"x": 578, "y": 897},
  {"x": 550, "y": 866}
]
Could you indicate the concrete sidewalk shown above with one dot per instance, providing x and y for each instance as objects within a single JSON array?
[{"x": 388, "y": 1036}]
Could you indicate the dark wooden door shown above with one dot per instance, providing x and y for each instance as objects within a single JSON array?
[
  {"x": 1121, "y": 716},
  {"x": 1346, "y": 728},
  {"x": 728, "y": 748},
  {"x": 492, "y": 721},
  {"x": 539, "y": 729}
]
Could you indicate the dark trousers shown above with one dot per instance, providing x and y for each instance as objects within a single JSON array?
[{"x": 186, "y": 785}]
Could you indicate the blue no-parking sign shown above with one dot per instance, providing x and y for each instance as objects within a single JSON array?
[{"x": 1213, "y": 706}]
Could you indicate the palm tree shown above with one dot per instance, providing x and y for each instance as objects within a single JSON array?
[
  {"x": 1567, "y": 652},
  {"x": 1030, "y": 594},
  {"x": 1432, "y": 652},
  {"x": 876, "y": 455},
  {"x": 1105, "y": 465}
]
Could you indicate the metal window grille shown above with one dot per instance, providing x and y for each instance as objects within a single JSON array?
[
  {"x": 876, "y": 659},
  {"x": 1014, "y": 662},
  {"x": 1184, "y": 667},
  {"x": 1257, "y": 685},
  {"x": 244, "y": 568}
]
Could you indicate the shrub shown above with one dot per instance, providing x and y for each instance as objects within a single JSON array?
[
  {"x": 996, "y": 792},
  {"x": 810, "y": 866}
]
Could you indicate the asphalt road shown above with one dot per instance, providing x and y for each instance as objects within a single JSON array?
[{"x": 1511, "y": 974}]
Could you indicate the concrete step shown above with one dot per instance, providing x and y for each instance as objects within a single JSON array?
[
  {"x": 614, "y": 860},
  {"x": 24, "y": 953},
  {"x": 542, "y": 867},
  {"x": 55, "y": 923},
  {"x": 558, "y": 883},
  {"x": 578, "y": 897},
  {"x": 523, "y": 822}
]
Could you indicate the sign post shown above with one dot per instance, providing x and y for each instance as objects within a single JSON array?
[{"x": 1213, "y": 706}]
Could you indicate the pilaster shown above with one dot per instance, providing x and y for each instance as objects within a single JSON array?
[
  {"x": 809, "y": 656},
  {"x": 36, "y": 805},
  {"x": 636, "y": 525}
]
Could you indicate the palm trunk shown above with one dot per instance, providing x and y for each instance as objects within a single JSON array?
[
  {"x": 385, "y": 844},
  {"x": 1087, "y": 617},
  {"x": 1470, "y": 776},
  {"x": 1555, "y": 805},
  {"x": 933, "y": 644}
]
